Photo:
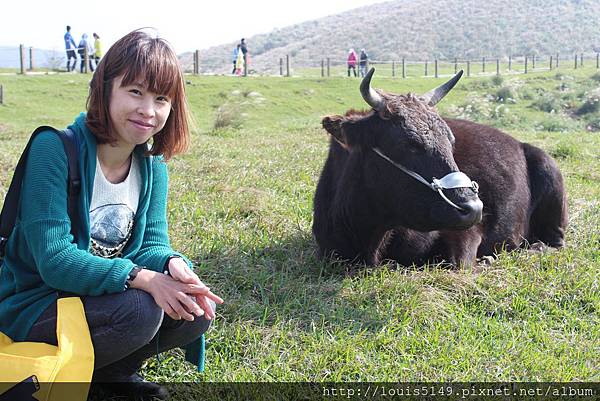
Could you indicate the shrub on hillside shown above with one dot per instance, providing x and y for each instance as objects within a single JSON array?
[
  {"x": 569, "y": 100},
  {"x": 527, "y": 94},
  {"x": 501, "y": 117},
  {"x": 227, "y": 115},
  {"x": 563, "y": 151},
  {"x": 592, "y": 122},
  {"x": 477, "y": 84},
  {"x": 555, "y": 123},
  {"x": 497, "y": 80},
  {"x": 476, "y": 108},
  {"x": 591, "y": 104},
  {"x": 499, "y": 112},
  {"x": 547, "y": 103},
  {"x": 505, "y": 94}
]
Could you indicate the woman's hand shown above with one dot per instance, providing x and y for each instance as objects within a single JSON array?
[
  {"x": 180, "y": 271},
  {"x": 172, "y": 295}
]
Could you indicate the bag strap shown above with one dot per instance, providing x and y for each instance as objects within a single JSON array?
[
  {"x": 8, "y": 216},
  {"x": 71, "y": 144}
]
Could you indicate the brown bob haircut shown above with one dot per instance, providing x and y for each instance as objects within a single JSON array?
[{"x": 141, "y": 58}]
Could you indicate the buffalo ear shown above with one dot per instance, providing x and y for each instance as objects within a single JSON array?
[{"x": 333, "y": 125}]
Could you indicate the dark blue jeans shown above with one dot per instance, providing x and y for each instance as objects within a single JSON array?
[
  {"x": 71, "y": 55},
  {"x": 126, "y": 328}
]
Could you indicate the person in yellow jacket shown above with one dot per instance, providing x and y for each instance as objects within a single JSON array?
[{"x": 97, "y": 49}]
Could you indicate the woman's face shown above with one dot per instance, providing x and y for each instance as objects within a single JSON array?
[{"x": 136, "y": 113}]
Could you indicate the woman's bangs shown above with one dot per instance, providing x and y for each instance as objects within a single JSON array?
[
  {"x": 163, "y": 77},
  {"x": 156, "y": 71}
]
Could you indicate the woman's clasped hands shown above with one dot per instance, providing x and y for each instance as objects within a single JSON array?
[{"x": 181, "y": 293}]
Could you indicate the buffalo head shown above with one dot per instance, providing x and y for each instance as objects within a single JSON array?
[{"x": 402, "y": 151}]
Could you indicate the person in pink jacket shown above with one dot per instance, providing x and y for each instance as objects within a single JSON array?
[{"x": 351, "y": 61}]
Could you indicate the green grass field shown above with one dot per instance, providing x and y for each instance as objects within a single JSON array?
[{"x": 241, "y": 208}]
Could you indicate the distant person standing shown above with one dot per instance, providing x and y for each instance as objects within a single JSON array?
[
  {"x": 97, "y": 49},
  {"x": 70, "y": 47},
  {"x": 236, "y": 51},
  {"x": 239, "y": 63},
  {"x": 81, "y": 48},
  {"x": 351, "y": 61},
  {"x": 363, "y": 64},
  {"x": 244, "y": 49}
]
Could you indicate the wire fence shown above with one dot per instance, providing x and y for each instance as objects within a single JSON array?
[
  {"x": 12, "y": 58},
  {"x": 25, "y": 60},
  {"x": 406, "y": 68}
]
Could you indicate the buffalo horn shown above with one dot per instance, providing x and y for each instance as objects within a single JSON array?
[
  {"x": 373, "y": 98},
  {"x": 434, "y": 96}
]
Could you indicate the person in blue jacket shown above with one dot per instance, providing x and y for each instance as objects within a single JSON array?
[
  {"x": 85, "y": 45},
  {"x": 140, "y": 296},
  {"x": 70, "y": 47},
  {"x": 236, "y": 50}
]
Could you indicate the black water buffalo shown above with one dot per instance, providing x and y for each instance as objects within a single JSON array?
[{"x": 396, "y": 186}]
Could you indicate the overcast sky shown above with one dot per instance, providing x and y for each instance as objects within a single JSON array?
[{"x": 187, "y": 25}]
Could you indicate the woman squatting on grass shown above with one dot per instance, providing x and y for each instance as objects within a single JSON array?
[{"x": 137, "y": 119}]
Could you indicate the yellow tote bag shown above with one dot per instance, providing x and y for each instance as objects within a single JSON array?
[{"x": 31, "y": 371}]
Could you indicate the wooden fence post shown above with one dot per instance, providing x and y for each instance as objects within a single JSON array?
[
  {"x": 22, "y": 58},
  {"x": 403, "y": 68},
  {"x": 550, "y": 63},
  {"x": 581, "y": 60},
  {"x": 197, "y": 62},
  {"x": 483, "y": 64},
  {"x": 509, "y": 63},
  {"x": 468, "y": 68},
  {"x": 328, "y": 65},
  {"x": 436, "y": 68},
  {"x": 31, "y": 63},
  {"x": 280, "y": 66},
  {"x": 426, "y": 72},
  {"x": 597, "y": 60},
  {"x": 86, "y": 59},
  {"x": 575, "y": 61},
  {"x": 287, "y": 65},
  {"x": 533, "y": 62},
  {"x": 525, "y": 64},
  {"x": 497, "y": 66},
  {"x": 556, "y": 60},
  {"x": 1, "y": 94},
  {"x": 393, "y": 69},
  {"x": 322, "y": 68},
  {"x": 455, "y": 65}
]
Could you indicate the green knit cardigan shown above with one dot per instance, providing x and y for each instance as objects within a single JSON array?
[{"x": 41, "y": 254}]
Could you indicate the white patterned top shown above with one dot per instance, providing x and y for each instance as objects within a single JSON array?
[{"x": 112, "y": 211}]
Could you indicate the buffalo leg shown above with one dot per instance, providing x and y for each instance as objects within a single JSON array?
[
  {"x": 548, "y": 219},
  {"x": 460, "y": 247}
]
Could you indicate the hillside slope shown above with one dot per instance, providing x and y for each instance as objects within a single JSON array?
[{"x": 420, "y": 29}]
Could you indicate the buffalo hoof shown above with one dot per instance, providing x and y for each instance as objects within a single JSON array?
[
  {"x": 486, "y": 260},
  {"x": 540, "y": 247}
]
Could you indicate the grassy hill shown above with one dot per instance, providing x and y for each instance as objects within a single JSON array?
[
  {"x": 424, "y": 29},
  {"x": 241, "y": 207}
]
